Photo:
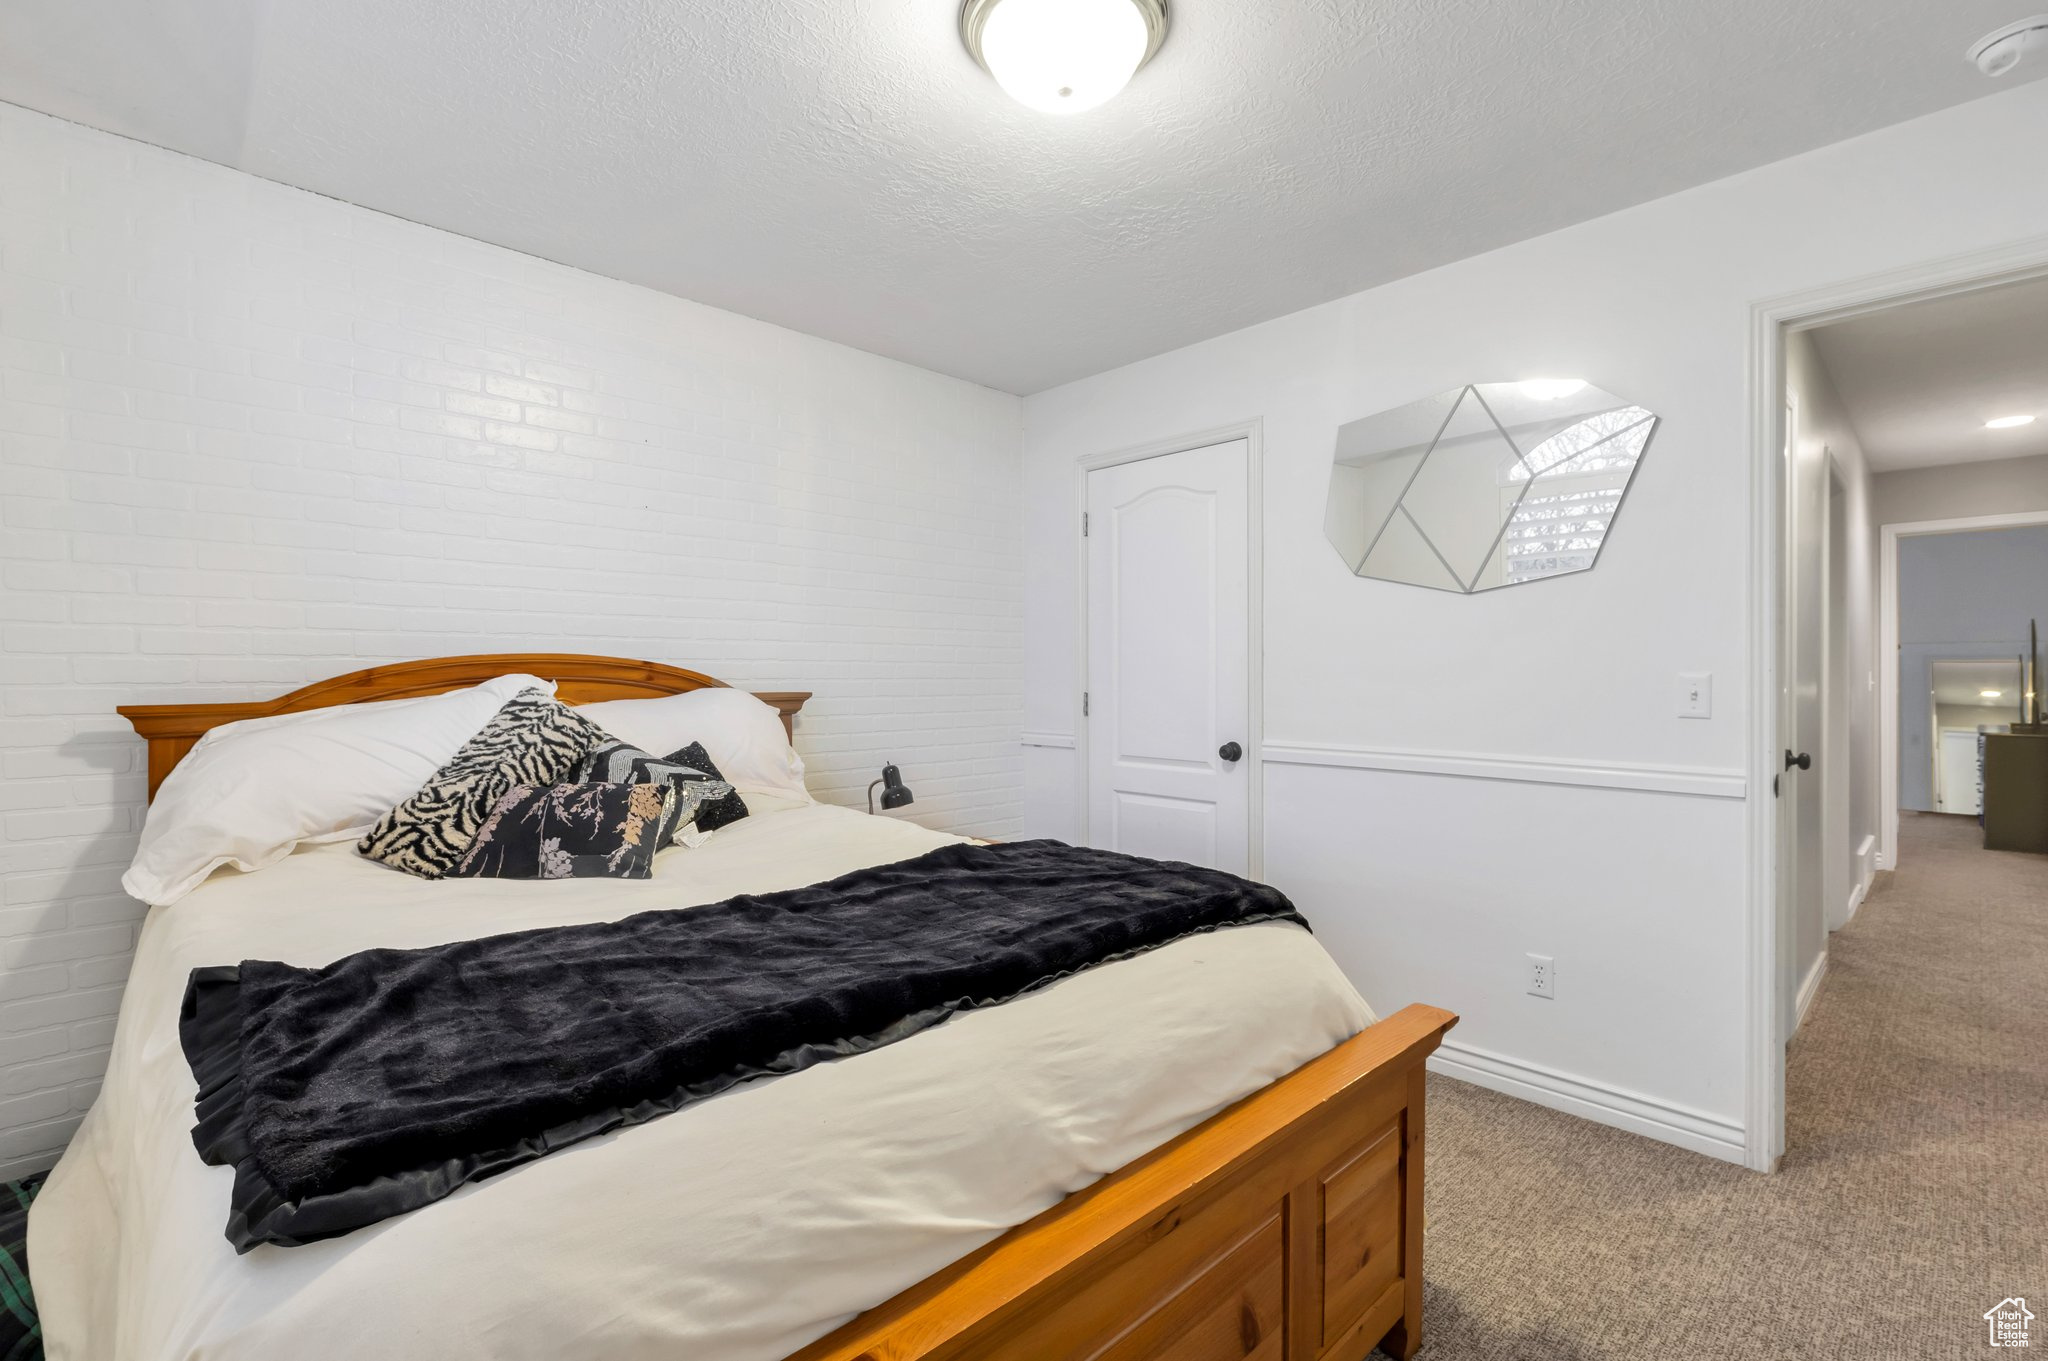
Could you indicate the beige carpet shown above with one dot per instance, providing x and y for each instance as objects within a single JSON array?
[{"x": 1913, "y": 1197}]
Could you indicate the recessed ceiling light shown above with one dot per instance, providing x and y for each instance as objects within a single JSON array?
[
  {"x": 1989, "y": 694},
  {"x": 1062, "y": 56},
  {"x": 1550, "y": 389},
  {"x": 2008, "y": 422}
]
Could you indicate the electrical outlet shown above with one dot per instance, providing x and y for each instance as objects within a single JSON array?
[
  {"x": 1542, "y": 976},
  {"x": 1695, "y": 694}
]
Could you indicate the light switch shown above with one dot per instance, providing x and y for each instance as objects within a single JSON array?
[{"x": 1695, "y": 694}]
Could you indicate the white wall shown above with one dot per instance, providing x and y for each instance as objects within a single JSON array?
[
  {"x": 1433, "y": 885},
  {"x": 250, "y": 437},
  {"x": 1973, "y": 717}
]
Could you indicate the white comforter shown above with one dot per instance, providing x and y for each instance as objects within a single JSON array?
[{"x": 735, "y": 1230}]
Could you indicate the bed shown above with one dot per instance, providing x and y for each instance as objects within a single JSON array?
[{"x": 1208, "y": 1150}]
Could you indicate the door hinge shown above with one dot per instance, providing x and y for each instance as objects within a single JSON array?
[
  {"x": 1084, "y": 704},
  {"x": 1084, "y": 524}
]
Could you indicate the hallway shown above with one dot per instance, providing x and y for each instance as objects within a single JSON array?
[{"x": 1914, "y": 1195}]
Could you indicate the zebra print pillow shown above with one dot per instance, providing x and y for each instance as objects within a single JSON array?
[{"x": 533, "y": 740}]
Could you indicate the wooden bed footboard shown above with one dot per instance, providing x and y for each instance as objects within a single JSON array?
[{"x": 1286, "y": 1228}]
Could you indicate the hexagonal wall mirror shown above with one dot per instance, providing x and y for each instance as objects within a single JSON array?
[{"x": 1487, "y": 485}]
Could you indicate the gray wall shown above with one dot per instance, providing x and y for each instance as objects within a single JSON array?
[
  {"x": 1995, "y": 487},
  {"x": 1960, "y": 596}
]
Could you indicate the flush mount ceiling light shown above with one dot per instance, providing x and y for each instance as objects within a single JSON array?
[
  {"x": 2007, "y": 422},
  {"x": 1990, "y": 694},
  {"x": 1550, "y": 389},
  {"x": 1062, "y": 56},
  {"x": 2004, "y": 48}
]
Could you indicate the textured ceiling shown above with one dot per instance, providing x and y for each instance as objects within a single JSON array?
[
  {"x": 845, "y": 169},
  {"x": 1919, "y": 381}
]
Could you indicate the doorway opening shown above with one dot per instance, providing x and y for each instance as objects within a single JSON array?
[
  {"x": 1889, "y": 419},
  {"x": 1959, "y": 601},
  {"x": 1967, "y": 698}
]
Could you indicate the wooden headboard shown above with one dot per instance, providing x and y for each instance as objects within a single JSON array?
[{"x": 172, "y": 729}]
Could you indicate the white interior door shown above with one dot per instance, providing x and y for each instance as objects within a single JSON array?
[
  {"x": 1169, "y": 657},
  {"x": 1802, "y": 916},
  {"x": 1959, "y": 789}
]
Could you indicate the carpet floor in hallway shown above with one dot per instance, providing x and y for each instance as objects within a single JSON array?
[{"x": 1912, "y": 1198}]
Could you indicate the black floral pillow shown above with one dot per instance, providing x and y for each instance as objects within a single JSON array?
[
  {"x": 697, "y": 786},
  {"x": 533, "y": 740},
  {"x": 714, "y": 812},
  {"x": 572, "y": 831}
]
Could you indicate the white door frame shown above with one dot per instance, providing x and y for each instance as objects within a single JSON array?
[
  {"x": 1785, "y": 704},
  {"x": 1838, "y": 764},
  {"x": 1769, "y": 321},
  {"x": 1251, "y": 432},
  {"x": 1888, "y": 655}
]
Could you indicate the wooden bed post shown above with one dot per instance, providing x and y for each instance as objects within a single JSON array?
[{"x": 1405, "y": 1337}]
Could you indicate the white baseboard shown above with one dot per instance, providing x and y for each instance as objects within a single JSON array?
[
  {"x": 1856, "y": 897},
  {"x": 1809, "y": 988},
  {"x": 1714, "y": 1135}
]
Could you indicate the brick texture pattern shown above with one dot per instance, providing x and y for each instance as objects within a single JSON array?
[{"x": 251, "y": 437}]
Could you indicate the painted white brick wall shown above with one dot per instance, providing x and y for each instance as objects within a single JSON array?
[{"x": 251, "y": 437}]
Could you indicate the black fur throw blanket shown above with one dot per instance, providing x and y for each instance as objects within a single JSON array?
[{"x": 382, "y": 1082}]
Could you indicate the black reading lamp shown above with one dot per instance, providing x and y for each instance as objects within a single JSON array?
[{"x": 895, "y": 793}]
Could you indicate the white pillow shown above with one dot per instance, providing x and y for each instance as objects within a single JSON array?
[
  {"x": 742, "y": 735},
  {"x": 248, "y": 792}
]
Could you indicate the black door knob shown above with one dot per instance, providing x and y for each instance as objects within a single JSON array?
[
  {"x": 1230, "y": 751},
  {"x": 1803, "y": 760}
]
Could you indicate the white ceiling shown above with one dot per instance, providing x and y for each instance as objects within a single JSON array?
[
  {"x": 845, "y": 169},
  {"x": 1964, "y": 683},
  {"x": 1919, "y": 381}
]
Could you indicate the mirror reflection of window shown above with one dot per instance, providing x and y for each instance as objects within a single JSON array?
[
  {"x": 1579, "y": 474},
  {"x": 1485, "y": 485}
]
